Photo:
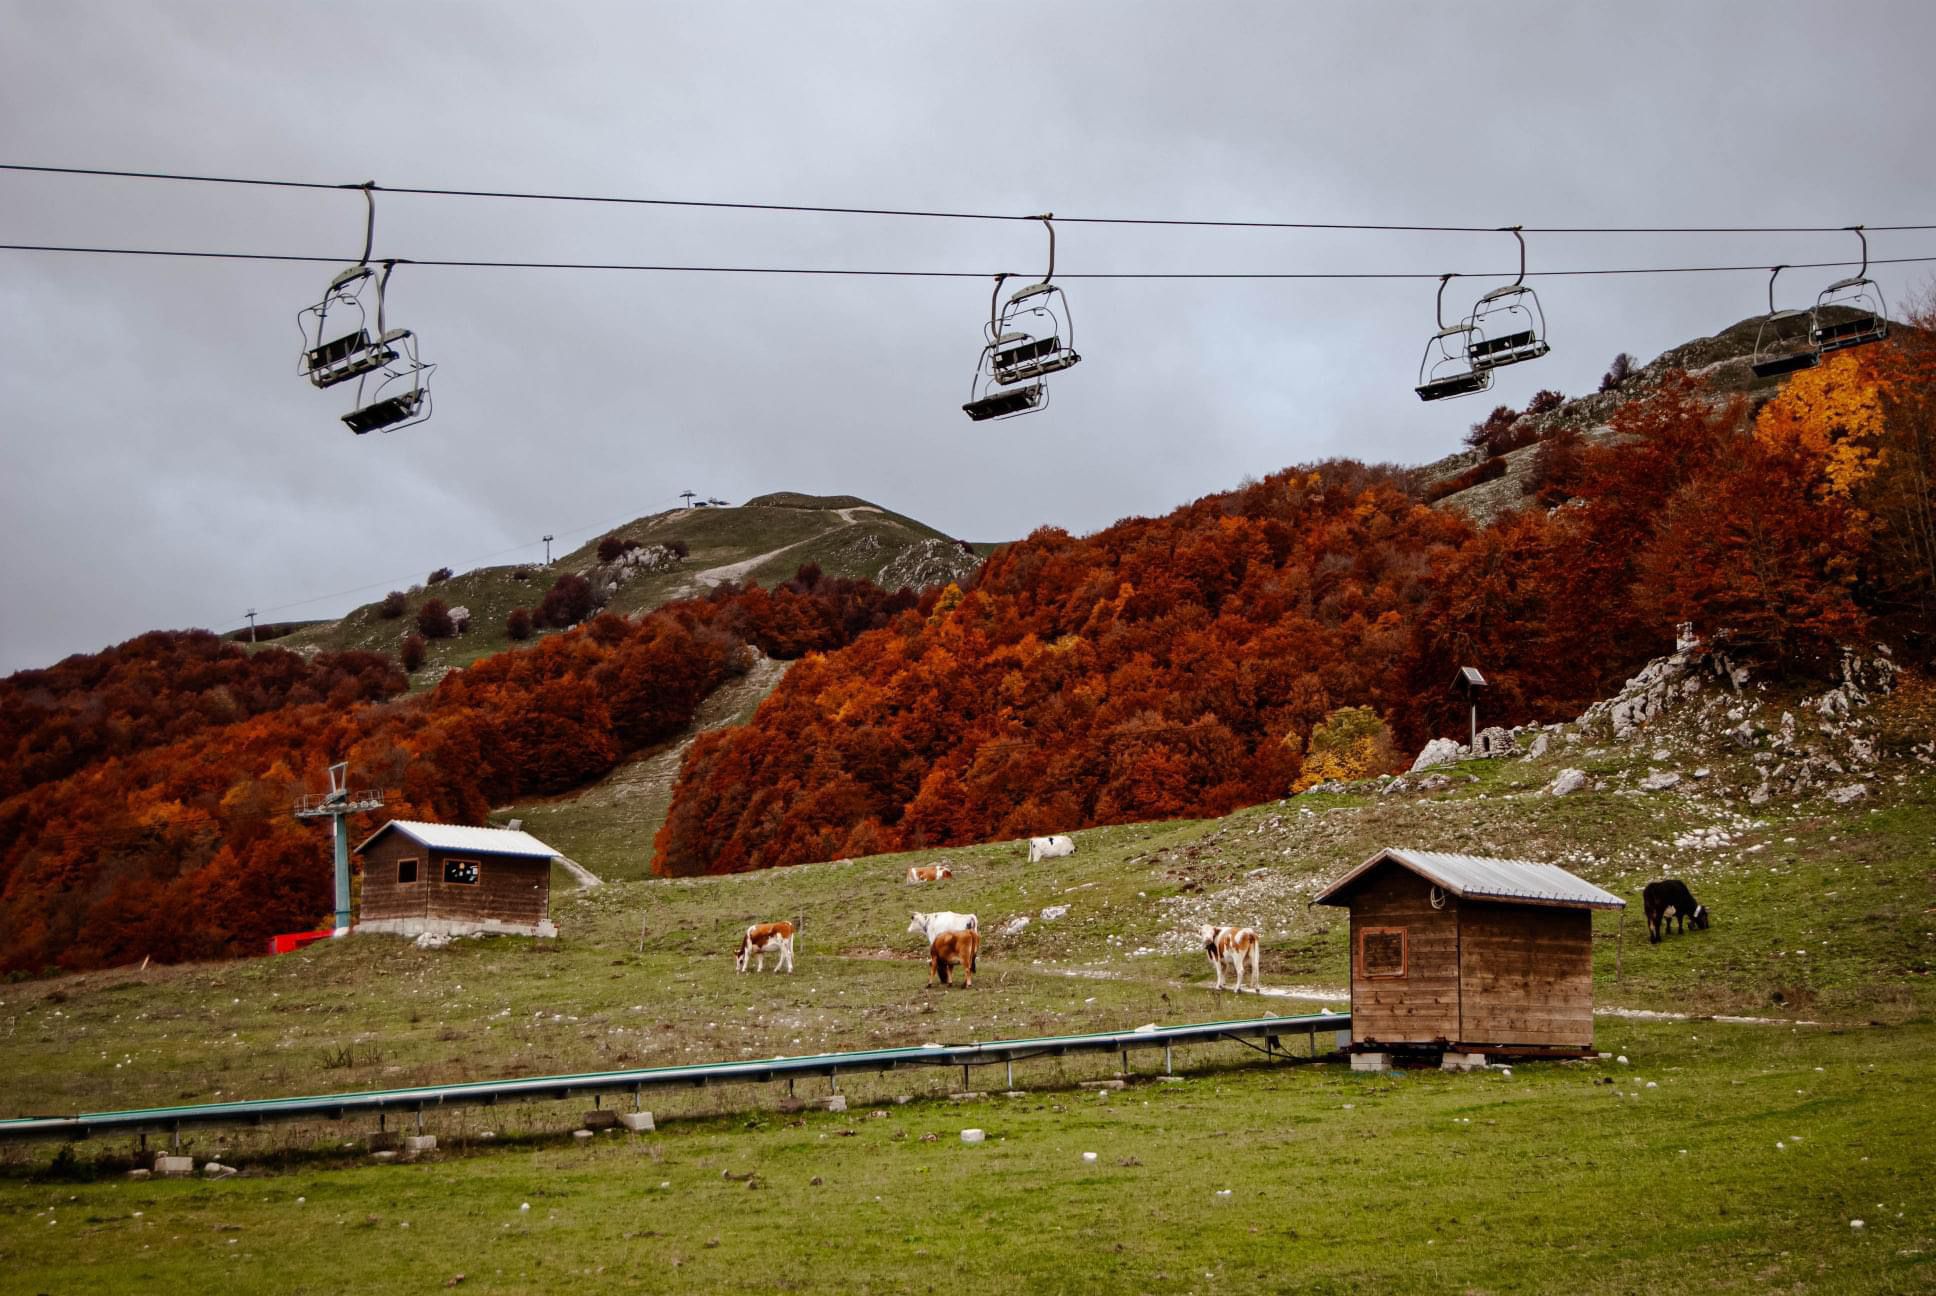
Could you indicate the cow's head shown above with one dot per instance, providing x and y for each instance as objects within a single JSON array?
[
  {"x": 919, "y": 924},
  {"x": 745, "y": 952},
  {"x": 1699, "y": 917}
]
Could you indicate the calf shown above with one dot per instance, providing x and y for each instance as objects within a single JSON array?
[
  {"x": 929, "y": 873},
  {"x": 1041, "y": 848},
  {"x": 931, "y": 925},
  {"x": 1232, "y": 945},
  {"x": 762, "y": 938},
  {"x": 1671, "y": 901},
  {"x": 953, "y": 948}
]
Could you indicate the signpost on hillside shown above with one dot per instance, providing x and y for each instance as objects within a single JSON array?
[{"x": 338, "y": 804}]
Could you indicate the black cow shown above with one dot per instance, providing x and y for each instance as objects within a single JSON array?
[{"x": 1671, "y": 901}]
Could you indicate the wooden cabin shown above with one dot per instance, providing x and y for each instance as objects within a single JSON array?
[
  {"x": 450, "y": 880},
  {"x": 1467, "y": 954}
]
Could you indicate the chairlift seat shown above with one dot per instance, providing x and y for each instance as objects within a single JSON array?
[
  {"x": 1458, "y": 384},
  {"x": 385, "y": 413},
  {"x": 1511, "y": 348},
  {"x": 1001, "y": 404},
  {"x": 1032, "y": 359},
  {"x": 1851, "y": 332},
  {"x": 349, "y": 356},
  {"x": 1793, "y": 362}
]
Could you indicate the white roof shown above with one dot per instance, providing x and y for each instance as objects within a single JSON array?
[
  {"x": 457, "y": 837},
  {"x": 1483, "y": 878}
]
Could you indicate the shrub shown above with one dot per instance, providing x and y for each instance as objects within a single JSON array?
[
  {"x": 411, "y": 654},
  {"x": 1350, "y": 743},
  {"x": 679, "y": 547},
  {"x": 393, "y": 606},
  {"x": 1556, "y": 468},
  {"x": 433, "y": 620},
  {"x": 1618, "y": 372},
  {"x": 522, "y": 573},
  {"x": 439, "y": 576},
  {"x": 518, "y": 625},
  {"x": 567, "y": 602},
  {"x": 1502, "y": 431},
  {"x": 1545, "y": 402},
  {"x": 611, "y": 547}
]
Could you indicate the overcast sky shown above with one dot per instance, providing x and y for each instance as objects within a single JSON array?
[{"x": 165, "y": 465}]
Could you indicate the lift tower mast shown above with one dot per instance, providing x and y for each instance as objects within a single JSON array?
[{"x": 337, "y": 805}]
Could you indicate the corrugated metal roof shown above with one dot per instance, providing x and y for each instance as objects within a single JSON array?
[
  {"x": 457, "y": 837},
  {"x": 1481, "y": 877}
]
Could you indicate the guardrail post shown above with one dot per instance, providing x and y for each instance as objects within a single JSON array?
[
  {"x": 1011, "y": 1073},
  {"x": 1168, "y": 1069},
  {"x": 965, "y": 1085},
  {"x": 833, "y": 1082},
  {"x": 638, "y": 1095}
]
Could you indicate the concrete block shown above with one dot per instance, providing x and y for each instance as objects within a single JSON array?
[
  {"x": 1014, "y": 1093},
  {"x": 385, "y": 1155},
  {"x": 139, "y": 1174},
  {"x": 583, "y": 1134},
  {"x": 637, "y": 1122},
  {"x": 966, "y": 1096},
  {"x": 1371, "y": 1061},
  {"x": 418, "y": 1144},
  {"x": 1102, "y": 1084},
  {"x": 837, "y": 1103},
  {"x": 973, "y": 1135},
  {"x": 600, "y": 1119},
  {"x": 174, "y": 1167},
  {"x": 1463, "y": 1062}
]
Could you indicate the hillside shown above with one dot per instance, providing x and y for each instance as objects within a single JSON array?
[
  {"x": 1720, "y": 1148},
  {"x": 763, "y": 541}
]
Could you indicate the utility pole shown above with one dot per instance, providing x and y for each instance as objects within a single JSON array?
[
  {"x": 251, "y": 625},
  {"x": 547, "y": 540}
]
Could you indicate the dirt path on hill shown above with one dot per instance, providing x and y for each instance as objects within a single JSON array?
[{"x": 713, "y": 576}]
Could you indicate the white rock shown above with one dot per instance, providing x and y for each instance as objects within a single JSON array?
[
  {"x": 1622, "y": 1059},
  {"x": 1566, "y": 782},
  {"x": 1054, "y": 912},
  {"x": 1659, "y": 781},
  {"x": 1856, "y": 1224},
  {"x": 1089, "y": 1156},
  {"x": 1440, "y": 751},
  {"x": 527, "y": 1206},
  {"x": 1853, "y": 792},
  {"x": 973, "y": 1135}
]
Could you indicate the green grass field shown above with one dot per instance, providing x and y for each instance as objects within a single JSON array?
[{"x": 1550, "y": 1179}]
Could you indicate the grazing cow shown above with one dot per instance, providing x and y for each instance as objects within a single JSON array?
[
  {"x": 1671, "y": 901},
  {"x": 953, "y": 948},
  {"x": 1041, "y": 848},
  {"x": 762, "y": 938},
  {"x": 1232, "y": 945},
  {"x": 929, "y": 873},
  {"x": 931, "y": 925}
]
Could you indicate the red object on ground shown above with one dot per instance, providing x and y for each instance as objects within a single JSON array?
[{"x": 289, "y": 941}]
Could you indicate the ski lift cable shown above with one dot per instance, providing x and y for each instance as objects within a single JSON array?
[
  {"x": 820, "y": 209},
  {"x": 1758, "y": 267}
]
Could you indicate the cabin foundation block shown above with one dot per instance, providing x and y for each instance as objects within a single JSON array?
[
  {"x": 418, "y": 1144},
  {"x": 638, "y": 1122},
  {"x": 1371, "y": 1061},
  {"x": 1463, "y": 1062},
  {"x": 837, "y": 1103},
  {"x": 174, "y": 1167}
]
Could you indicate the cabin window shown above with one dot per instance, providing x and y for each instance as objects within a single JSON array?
[
  {"x": 406, "y": 872},
  {"x": 462, "y": 872},
  {"x": 1381, "y": 951}
]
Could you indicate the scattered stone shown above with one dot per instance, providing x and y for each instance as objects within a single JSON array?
[
  {"x": 1102, "y": 1084},
  {"x": 968, "y": 1095},
  {"x": 583, "y": 1134},
  {"x": 1660, "y": 781},
  {"x": 1054, "y": 912},
  {"x": 815, "y": 1182},
  {"x": 1857, "y": 1224},
  {"x": 1089, "y": 1158},
  {"x": 1434, "y": 783},
  {"x": 929, "y": 1138},
  {"x": 1538, "y": 749},
  {"x": 385, "y": 1155},
  {"x": 216, "y": 1170},
  {"x": 431, "y": 940},
  {"x": 1014, "y": 926},
  {"x": 637, "y": 1122},
  {"x": 139, "y": 1174},
  {"x": 1853, "y": 792},
  {"x": 1566, "y": 782}
]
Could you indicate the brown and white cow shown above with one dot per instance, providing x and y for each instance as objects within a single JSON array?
[
  {"x": 953, "y": 948},
  {"x": 762, "y": 939},
  {"x": 1232, "y": 945},
  {"x": 929, "y": 873}
]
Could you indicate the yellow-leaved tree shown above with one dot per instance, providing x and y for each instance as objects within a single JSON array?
[{"x": 1350, "y": 743}]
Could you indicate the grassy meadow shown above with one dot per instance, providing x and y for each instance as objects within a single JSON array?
[{"x": 1723, "y": 1156}]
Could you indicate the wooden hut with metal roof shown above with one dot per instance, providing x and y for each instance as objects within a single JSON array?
[
  {"x": 1467, "y": 954},
  {"x": 451, "y": 880}
]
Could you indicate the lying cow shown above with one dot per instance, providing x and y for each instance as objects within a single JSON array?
[
  {"x": 953, "y": 949},
  {"x": 1671, "y": 901},
  {"x": 931, "y": 925},
  {"x": 1232, "y": 945},
  {"x": 929, "y": 873},
  {"x": 764, "y": 938},
  {"x": 1041, "y": 848}
]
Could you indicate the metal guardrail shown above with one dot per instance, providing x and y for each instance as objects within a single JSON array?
[{"x": 343, "y": 1106}]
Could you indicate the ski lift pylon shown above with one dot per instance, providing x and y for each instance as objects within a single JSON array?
[
  {"x": 1785, "y": 341},
  {"x": 1861, "y": 315},
  {"x": 1029, "y": 337},
  {"x": 1447, "y": 369},
  {"x": 1508, "y": 326}
]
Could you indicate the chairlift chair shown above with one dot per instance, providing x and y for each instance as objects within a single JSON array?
[
  {"x": 1785, "y": 342},
  {"x": 1861, "y": 315},
  {"x": 1029, "y": 336},
  {"x": 327, "y": 360},
  {"x": 401, "y": 394},
  {"x": 1447, "y": 369},
  {"x": 1508, "y": 326}
]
